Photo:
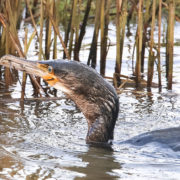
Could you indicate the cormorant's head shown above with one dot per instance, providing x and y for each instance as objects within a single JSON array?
[{"x": 95, "y": 97}]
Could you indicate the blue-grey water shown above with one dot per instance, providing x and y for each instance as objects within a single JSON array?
[{"x": 46, "y": 139}]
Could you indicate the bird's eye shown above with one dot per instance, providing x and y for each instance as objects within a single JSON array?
[{"x": 50, "y": 69}]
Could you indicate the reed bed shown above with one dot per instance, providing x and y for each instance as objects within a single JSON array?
[{"x": 47, "y": 16}]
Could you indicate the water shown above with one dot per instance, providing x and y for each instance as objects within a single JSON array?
[{"x": 46, "y": 139}]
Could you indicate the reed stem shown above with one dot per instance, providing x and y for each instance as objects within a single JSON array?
[
  {"x": 105, "y": 6},
  {"x": 93, "y": 49},
  {"x": 121, "y": 18},
  {"x": 41, "y": 30},
  {"x": 74, "y": 11},
  {"x": 139, "y": 43},
  {"x": 83, "y": 28},
  {"x": 77, "y": 25},
  {"x": 49, "y": 9},
  {"x": 118, "y": 39},
  {"x": 55, "y": 35},
  {"x": 159, "y": 44},
  {"x": 170, "y": 42},
  {"x": 151, "y": 52}
]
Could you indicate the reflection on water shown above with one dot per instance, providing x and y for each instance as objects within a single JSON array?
[{"x": 100, "y": 164}]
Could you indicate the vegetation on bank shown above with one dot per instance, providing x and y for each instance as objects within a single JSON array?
[{"x": 66, "y": 21}]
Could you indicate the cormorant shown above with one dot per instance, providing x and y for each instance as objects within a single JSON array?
[{"x": 93, "y": 95}]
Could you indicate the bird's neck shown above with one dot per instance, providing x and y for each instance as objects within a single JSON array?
[{"x": 100, "y": 117}]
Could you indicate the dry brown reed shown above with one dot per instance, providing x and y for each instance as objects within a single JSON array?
[
  {"x": 121, "y": 16},
  {"x": 170, "y": 42},
  {"x": 159, "y": 44},
  {"x": 151, "y": 58},
  {"x": 75, "y": 19},
  {"x": 139, "y": 43}
]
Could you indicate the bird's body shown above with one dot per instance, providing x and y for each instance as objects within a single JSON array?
[{"x": 94, "y": 96}]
